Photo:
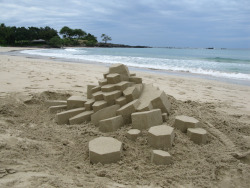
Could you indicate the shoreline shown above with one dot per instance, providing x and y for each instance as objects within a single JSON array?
[{"x": 17, "y": 52}]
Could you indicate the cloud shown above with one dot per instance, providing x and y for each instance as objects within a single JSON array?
[{"x": 146, "y": 22}]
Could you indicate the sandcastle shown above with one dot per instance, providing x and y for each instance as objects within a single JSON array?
[{"x": 119, "y": 99}]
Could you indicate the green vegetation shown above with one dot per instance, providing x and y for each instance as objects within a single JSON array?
[
  {"x": 105, "y": 38},
  {"x": 21, "y": 36},
  {"x": 44, "y": 36},
  {"x": 49, "y": 37},
  {"x": 55, "y": 42},
  {"x": 74, "y": 37},
  {"x": 67, "y": 32}
]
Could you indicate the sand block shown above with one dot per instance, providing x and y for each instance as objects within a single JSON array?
[
  {"x": 161, "y": 101},
  {"x": 132, "y": 134},
  {"x": 111, "y": 124},
  {"x": 118, "y": 86},
  {"x": 113, "y": 78},
  {"x": 54, "y": 109},
  {"x": 105, "y": 150},
  {"x": 197, "y": 135},
  {"x": 185, "y": 122},
  {"x": 63, "y": 117},
  {"x": 132, "y": 74},
  {"x": 165, "y": 117},
  {"x": 98, "y": 105},
  {"x": 146, "y": 97},
  {"x": 152, "y": 97},
  {"x": 127, "y": 110},
  {"x": 104, "y": 113},
  {"x": 96, "y": 89},
  {"x": 160, "y": 157},
  {"x": 105, "y": 74},
  {"x": 88, "y": 104},
  {"x": 120, "y": 69},
  {"x": 108, "y": 88},
  {"x": 121, "y": 101},
  {"x": 132, "y": 93},
  {"x": 139, "y": 88},
  {"x": 123, "y": 85},
  {"x": 75, "y": 102},
  {"x": 147, "y": 119},
  {"x": 161, "y": 136},
  {"x": 143, "y": 108},
  {"x": 89, "y": 91},
  {"x": 103, "y": 82},
  {"x": 110, "y": 97},
  {"x": 98, "y": 96},
  {"x": 55, "y": 103},
  {"x": 80, "y": 118},
  {"x": 135, "y": 79}
]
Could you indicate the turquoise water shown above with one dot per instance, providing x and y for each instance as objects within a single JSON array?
[{"x": 219, "y": 63}]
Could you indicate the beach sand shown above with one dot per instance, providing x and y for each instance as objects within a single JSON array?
[{"x": 36, "y": 152}]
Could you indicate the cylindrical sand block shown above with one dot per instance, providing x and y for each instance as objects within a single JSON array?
[
  {"x": 132, "y": 134},
  {"x": 197, "y": 135}
]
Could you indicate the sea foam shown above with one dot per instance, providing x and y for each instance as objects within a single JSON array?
[{"x": 191, "y": 65}]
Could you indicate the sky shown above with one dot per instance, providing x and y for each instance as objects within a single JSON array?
[{"x": 157, "y": 23}]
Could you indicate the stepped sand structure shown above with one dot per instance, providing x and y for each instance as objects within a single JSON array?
[
  {"x": 118, "y": 88},
  {"x": 121, "y": 99}
]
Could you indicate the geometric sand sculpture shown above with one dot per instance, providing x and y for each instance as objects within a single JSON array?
[
  {"x": 127, "y": 110},
  {"x": 54, "y": 109},
  {"x": 153, "y": 98},
  {"x": 104, "y": 150},
  {"x": 164, "y": 117},
  {"x": 89, "y": 92},
  {"x": 184, "y": 122},
  {"x": 80, "y": 118},
  {"x": 197, "y": 135},
  {"x": 50, "y": 103},
  {"x": 110, "y": 105},
  {"x": 161, "y": 136},
  {"x": 127, "y": 94},
  {"x": 104, "y": 113},
  {"x": 98, "y": 105},
  {"x": 147, "y": 119},
  {"x": 160, "y": 157},
  {"x": 75, "y": 102},
  {"x": 111, "y": 124},
  {"x": 132, "y": 134},
  {"x": 63, "y": 117}
]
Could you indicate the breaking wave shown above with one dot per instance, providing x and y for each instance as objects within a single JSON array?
[{"x": 217, "y": 67}]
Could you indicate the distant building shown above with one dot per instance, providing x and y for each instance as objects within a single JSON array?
[{"x": 38, "y": 41}]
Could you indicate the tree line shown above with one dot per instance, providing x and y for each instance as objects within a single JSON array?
[{"x": 34, "y": 36}]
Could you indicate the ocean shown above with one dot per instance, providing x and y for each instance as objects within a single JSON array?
[{"x": 230, "y": 65}]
